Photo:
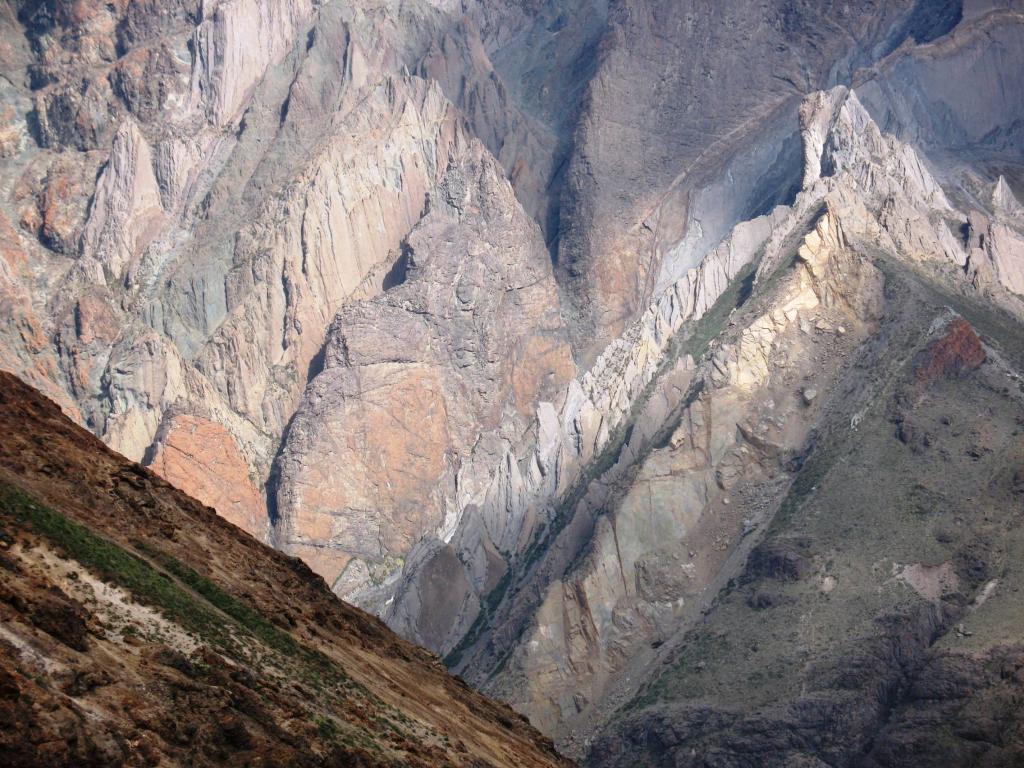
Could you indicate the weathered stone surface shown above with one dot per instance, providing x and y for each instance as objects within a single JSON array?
[
  {"x": 412, "y": 379},
  {"x": 201, "y": 457},
  {"x": 504, "y": 511},
  {"x": 23, "y": 344},
  {"x": 590, "y": 529},
  {"x": 687, "y": 104},
  {"x": 881, "y": 197},
  {"x": 956, "y": 352},
  {"x": 328, "y": 265},
  {"x": 234, "y": 44},
  {"x": 659, "y": 547},
  {"x": 226, "y": 175},
  {"x": 126, "y": 212}
]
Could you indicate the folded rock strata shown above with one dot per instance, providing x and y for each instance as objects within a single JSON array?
[
  {"x": 464, "y": 346},
  {"x": 494, "y": 312},
  {"x": 555, "y": 616}
]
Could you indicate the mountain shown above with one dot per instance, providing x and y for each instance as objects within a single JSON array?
[
  {"x": 654, "y": 362},
  {"x": 855, "y": 450},
  {"x": 206, "y": 201},
  {"x": 657, "y": 483},
  {"x": 139, "y": 628}
]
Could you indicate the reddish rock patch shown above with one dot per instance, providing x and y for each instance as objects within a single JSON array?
[
  {"x": 201, "y": 458},
  {"x": 954, "y": 354}
]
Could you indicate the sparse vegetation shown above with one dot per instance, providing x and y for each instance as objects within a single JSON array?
[
  {"x": 184, "y": 596},
  {"x": 698, "y": 653},
  {"x": 113, "y": 563}
]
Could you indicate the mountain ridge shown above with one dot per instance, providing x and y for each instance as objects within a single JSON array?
[{"x": 543, "y": 331}]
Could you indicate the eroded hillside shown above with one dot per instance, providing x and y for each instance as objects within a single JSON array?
[
  {"x": 139, "y": 628},
  {"x": 203, "y": 202},
  {"x": 652, "y": 491}
]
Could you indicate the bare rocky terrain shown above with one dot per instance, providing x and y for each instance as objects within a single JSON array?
[{"x": 655, "y": 363}]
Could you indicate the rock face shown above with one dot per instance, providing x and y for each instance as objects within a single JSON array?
[
  {"x": 123, "y": 595},
  {"x": 817, "y": 643},
  {"x": 675, "y": 87},
  {"x": 200, "y": 454},
  {"x": 217, "y": 180},
  {"x": 257, "y": 166},
  {"x": 528, "y": 325},
  {"x": 201, "y": 191},
  {"x": 956, "y": 353},
  {"x": 600, "y": 542},
  {"x": 465, "y": 345},
  {"x": 860, "y": 627}
]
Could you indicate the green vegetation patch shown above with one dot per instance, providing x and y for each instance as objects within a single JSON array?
[
  {"x": 697, "y": 663},
  {"x": 185, "y": 597},
  {"x": 113, "y": 563},
  {"x": 250, "y": 620},
  {"x": 712, "y": 322}
]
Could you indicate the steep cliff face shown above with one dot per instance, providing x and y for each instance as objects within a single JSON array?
[
  {"x": 257, "y": 166},
  {"x": 462, "y": 348},
  {"x": 837, "y": 642},
  {"x": 518, "y": 322},
  {"x": 196, "y": 190},
  {"x": 689, "y": 130},
  {"x": 859, "y": 631}
]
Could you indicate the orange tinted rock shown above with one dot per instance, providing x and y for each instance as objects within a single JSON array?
[
  {"x": 542, "y": 365},
  {"x": 10, "y": 249},
  {"x": 201, "y": 458},
  {"x": 956, "y": 353},
  {"x": 62, "y": 213},
  {"x": 417, "y": 380},
  {"x": 10, "y": 132},
  {"x": 24, "y": 344},
  {"x": 376, "y": 455},
  {"x": 95, "y": 320}
]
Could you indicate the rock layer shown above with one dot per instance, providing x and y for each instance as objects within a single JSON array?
[
  {"x": 257, "y": 165},
  {"x": 411, "y": 380},
  {"x": 519, "y": 322}
]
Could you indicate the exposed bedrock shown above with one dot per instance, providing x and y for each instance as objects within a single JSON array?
[
  {"x": 637, "y": 498},
  {"x": 194, "y": 190},
  {"x": 520, "y": 322},
  {"x": 870, "y": 624},
  {"x": 673, "y": 143},
  {"x": 414, "y": 379}
]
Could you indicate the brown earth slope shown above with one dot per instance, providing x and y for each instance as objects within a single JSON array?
[{"x": 138, "y": 628}]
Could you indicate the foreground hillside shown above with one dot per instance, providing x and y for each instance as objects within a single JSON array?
[{"x": 138, "y": 628}]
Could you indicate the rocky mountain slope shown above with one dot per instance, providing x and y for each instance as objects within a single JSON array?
[
  {"x": 138, "y": 628},
  {"x": 536, "y": 329},
  {"x": 257, "y": 167},
  {"x": 196, "y": 193},
  {"x": 855, "y": 628},
  {"x": 875, "y": 621},
  {"x": 654, "y": 487},
  {"x": 556, "y": 597}
]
